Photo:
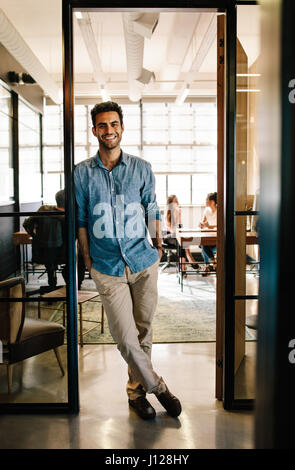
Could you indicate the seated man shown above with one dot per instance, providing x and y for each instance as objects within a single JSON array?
[{"x": 48, "y": 237}]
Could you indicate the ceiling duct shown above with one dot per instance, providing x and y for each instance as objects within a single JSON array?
[
  {"x": 17, "y": 47},
  {"x": 145, "y": 77},
  {"x": 137, "y": 26},
  {"x": 146, "y": 24},
  {"x": 89, "y": 38}
]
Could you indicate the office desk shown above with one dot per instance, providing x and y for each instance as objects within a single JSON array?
[
  {"x": 188, "y": 238},
  {"x": 23, "y": 239},
  {"x": 207, "y": 237}
]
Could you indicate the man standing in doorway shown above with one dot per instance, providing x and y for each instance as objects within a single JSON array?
[{"x": 116, "y": 201}]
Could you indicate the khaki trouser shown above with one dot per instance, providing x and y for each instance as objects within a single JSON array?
[{"x": 130, "y": 303}]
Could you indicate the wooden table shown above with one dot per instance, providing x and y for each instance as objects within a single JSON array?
[
  {"x": 188, "y": 238},
  {"x": 83, "y": 296},
  {"x": 207, "y": 237}
]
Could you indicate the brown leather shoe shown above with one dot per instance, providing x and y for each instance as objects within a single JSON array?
[
  {"x": 143, "y": 408},
  {"x": 171, "y": 404}
]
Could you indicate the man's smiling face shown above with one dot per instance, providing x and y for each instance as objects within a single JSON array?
[{"x": 108, "y": 130}]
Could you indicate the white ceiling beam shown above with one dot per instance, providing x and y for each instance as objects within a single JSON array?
[
  {"x": 18, "y": 48},
  {"x": 167, "y": 88},
  {"x": 179, "y": 40},
  {"x": 208, "y": 38}
]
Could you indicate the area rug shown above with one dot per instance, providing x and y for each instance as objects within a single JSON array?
[{"x": 181, "y": 317}]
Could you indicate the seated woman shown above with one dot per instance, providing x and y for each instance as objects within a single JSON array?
[
  {"x": 209, "y": 221},
  {"x": 173, "y": 221}
]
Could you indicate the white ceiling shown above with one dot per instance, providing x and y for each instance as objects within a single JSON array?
[{"x": 169, "y": 53}]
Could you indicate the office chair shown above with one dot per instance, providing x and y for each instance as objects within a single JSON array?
[{"x": 168, "y": 250}]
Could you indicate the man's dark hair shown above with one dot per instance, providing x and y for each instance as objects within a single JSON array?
[
  {"x": 60, "y": 198},
  {"x": 105, "y": 107}
]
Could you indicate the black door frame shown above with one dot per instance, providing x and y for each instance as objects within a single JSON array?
[
  {"x": 68, "y": 7},
  {"x": 229, "y": 7}
]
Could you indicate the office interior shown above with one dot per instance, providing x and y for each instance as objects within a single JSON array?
[{"x": 172, "y": 73}]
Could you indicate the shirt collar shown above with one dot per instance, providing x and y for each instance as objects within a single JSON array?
[{"x": 97, "y": 161}]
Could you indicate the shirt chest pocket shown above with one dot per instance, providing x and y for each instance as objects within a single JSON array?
[{"x": 129, "y": 190}]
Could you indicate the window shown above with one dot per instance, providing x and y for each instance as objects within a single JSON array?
[
  {"x": 161, "y": 191},
  {"x": 157, "y": 156},
  {"x": 178, "y": 141},
  {"x": 29, "y": 154},
  {"x": 202, "y": 184},
  {"x": 131, "y": 135},
  {"x": 180, "y": 185},
  {"x": 6, "y": 170},
  {"x": 155, "y": 123}
]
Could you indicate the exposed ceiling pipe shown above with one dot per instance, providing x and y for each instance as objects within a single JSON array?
[
  {"x": 18, "y": 48},
  {"x": 137, "y": 26},
  {"x": 86, "y": 29}
]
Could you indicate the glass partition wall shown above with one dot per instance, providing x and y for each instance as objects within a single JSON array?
[
  {"x": 33, "y": 332},
  {"x": 246, "y": 200},
  {"x": 29, "y": 141},
  {"x": 243, "y": 254}
]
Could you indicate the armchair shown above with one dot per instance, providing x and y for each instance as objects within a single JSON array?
[{"x": 24, "y": 337}]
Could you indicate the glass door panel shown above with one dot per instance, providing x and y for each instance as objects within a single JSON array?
[
  {"x": 246, "y": 197},
  {"x": 33, "y": 356}
]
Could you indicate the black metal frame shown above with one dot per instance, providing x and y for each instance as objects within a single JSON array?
[
  {"x": 68, "y": 6},
  {"x": 72, "y": 405},
  {"x": 41, "y": 154},
  {"x": 15, "y": 149},
  {"x": 231, "y": 35},
  {"x": 68, "y": 116},
  {"x": 229, "y": 400}
]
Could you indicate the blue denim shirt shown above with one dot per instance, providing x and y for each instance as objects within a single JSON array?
[{"x": 116, "y": 207}]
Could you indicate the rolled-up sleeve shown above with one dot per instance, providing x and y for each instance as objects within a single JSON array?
[
  {"x": 148, "y": 196},
  {"x": 81, "y": 198}
]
